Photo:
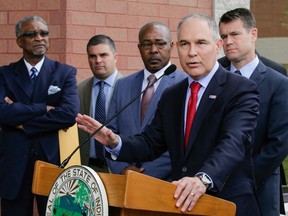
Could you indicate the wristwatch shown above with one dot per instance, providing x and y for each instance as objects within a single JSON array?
[{"x": 205, "y": 179}]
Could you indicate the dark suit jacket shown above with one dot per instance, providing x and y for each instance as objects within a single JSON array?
[
  {"x": 29, "y": 109},
  {"x": 129, "y": 123},
  {"x": 220, "y": 138},
  {"x": 270, "y": 146},
  {"x": 262, "y": 77},
  {"x": 84, "y": 90}
]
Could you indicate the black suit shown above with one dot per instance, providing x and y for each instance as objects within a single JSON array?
[{"x": 219, "y": 142}]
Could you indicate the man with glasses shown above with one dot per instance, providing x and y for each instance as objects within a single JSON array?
[
  {"x": 155, "y": 46},
  {"x": 38, "y": 97}
]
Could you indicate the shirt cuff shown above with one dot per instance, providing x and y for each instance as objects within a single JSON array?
[{"x": 115, "y": 151}]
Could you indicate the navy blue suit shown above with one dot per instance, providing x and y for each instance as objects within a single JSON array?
[
  {"x": 40, "y": 136},
  {"x": 270, "y": 146},
  {"x": 271, "y": 135},
  {"x": 219, "y": 142},
  {"x": 129, "y": 121}
]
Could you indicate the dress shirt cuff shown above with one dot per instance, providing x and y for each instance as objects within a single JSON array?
[
  {"x": 212, "y": 184},
  {"x": 115, "y": 151}
]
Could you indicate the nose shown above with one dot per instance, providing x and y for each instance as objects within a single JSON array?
[
  {"x": 229, "y": 40},
  {"x": 98, "y": 60},
  {"x": 192, "y": 51},
  {"x": 153, "y": 48},
  {"x": 38, "y": 36}
]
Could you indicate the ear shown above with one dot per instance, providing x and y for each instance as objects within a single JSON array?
[
  {"x": 219, "y": 44},
  {"x": 254, "y": 33},
  {"x": 115, "y": 57},
  {"x": 19, "y": 42}
]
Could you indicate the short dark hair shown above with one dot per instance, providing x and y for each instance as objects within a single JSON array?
[
  {"x": 151, "y": 25},
  {"x": 243, "y": 14},
  {"x": 101, "y": 39}
]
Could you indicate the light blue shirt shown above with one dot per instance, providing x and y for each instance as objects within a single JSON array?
[
  {"x": 158, "y": 74},
  {"x": 108, "y": 89},
  {"x": 247, "y": 69}
]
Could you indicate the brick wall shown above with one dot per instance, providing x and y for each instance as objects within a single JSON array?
[
  {"x": 73, "y": 22},
  {"x": 269, "y": 17}
]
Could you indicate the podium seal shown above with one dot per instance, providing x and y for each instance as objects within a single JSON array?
[{"x": 78, "y": 191}]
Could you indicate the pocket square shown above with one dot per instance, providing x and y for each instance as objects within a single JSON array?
[{"x": 53, "y": 89}]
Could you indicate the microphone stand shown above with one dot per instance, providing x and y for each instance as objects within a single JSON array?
[{"x": 168, "y": 71}]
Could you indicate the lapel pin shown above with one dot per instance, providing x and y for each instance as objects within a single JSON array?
[{"x": 212, "y": 97}]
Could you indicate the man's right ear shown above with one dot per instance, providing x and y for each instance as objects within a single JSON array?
[{"x": 19, "y": 42}]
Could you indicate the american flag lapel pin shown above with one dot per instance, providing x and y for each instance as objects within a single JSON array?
[{"x": 212, "y": 97}]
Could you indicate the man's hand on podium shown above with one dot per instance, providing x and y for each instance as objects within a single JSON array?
[{"x": 188, "y": 191}]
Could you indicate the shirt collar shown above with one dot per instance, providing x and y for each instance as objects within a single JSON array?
[
  {"x": 247, "y": 69},
  {"x": 38, "y": 66},
  {"x": 158, "y": 73},
  {"x": 204, "y": 81},
  {"x": 109, "y": 80}
]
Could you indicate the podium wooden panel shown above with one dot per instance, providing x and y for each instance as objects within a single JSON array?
[
  {"x": 68, "y": 141},
  {"x": 136, "y": 194}
]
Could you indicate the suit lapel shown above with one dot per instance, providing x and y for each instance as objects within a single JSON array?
[
  {"x": 22, "y": 78},
  {"x": 87, "y": 96},
  {"x": 214, "y": 88},
  {"x": 257, "y": 76},
  {"x": 135, "y": 90}
]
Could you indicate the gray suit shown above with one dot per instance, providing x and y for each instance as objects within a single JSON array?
[{"x": 129, "y": 123}]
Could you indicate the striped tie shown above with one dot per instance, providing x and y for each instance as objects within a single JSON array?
[{"x": 34, "y": 73}]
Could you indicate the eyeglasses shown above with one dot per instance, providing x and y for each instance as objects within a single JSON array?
[
  {"x": 33, "y": 34},
  {"x": 148, "y": 45}
]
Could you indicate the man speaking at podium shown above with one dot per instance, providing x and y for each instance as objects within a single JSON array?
[{"x": 212, "y": 153}]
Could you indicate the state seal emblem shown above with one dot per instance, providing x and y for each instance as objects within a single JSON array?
[{"x": 78, "y": 191}]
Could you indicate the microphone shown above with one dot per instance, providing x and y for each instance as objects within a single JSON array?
[{"x": 168, "y": 71}]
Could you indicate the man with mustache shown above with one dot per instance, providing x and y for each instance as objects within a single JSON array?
[
  {"x": 38, "y": 97},
  {"x": 155, "y": 46}
]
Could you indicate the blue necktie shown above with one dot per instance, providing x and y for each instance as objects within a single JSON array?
[
  {"x": 100, "y": 115},
  {"x": 34, "y": 72},
  {"x": 33, "y": 75},
  {"x": 237, "y": 72}
]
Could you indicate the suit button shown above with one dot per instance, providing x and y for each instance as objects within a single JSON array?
[{"x": 184, "y": 169}]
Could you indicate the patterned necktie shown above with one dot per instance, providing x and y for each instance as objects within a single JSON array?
[
  {"x": 34, "y": 72},
  {"x": 147, "y": 96},
  {"x": 237, "y": 72},
  {"x": 191, "y": 110},
  {"x": 100, "y": 115}
]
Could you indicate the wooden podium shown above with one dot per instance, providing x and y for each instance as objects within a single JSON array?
[{"x": 135, "y": 194}]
